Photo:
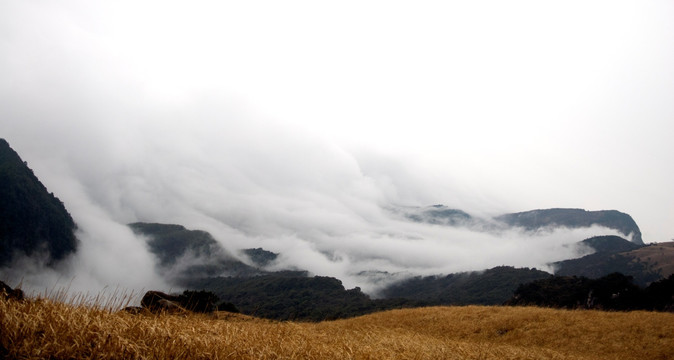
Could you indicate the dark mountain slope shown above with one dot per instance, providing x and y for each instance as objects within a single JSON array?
[
  {"x": 613, "y": 255},
  {"x": 292, "y": 295},
  {"x": 184, "y": 255},
  {"x": 438, "y": 215},
  {"x": 610, "y": 244},
  {"x": 32, "y": 220},
  {"x": 489, "y": 287},
  {"x": 574, "y": 218}
]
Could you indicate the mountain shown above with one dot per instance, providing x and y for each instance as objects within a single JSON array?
[
  {"x": 529, "y": 220},
  {"x": 574, "y": 218},
  {"x": 644, "y": 264},
  {"x": 609, "y": 244},
  {"x": 185, "y": 255},
  {"x": 32, "y": 220},
  {"x": 437, "y": 214}
]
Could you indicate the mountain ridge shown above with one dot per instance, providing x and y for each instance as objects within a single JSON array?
[
  {"x": 574, "y": 218},
  {"x": 531, "y": 221}
]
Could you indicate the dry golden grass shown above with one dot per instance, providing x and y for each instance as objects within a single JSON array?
[{"x": 50, "y": 329}]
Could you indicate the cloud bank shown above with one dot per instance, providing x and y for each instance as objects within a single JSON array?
[{"x": 311, "y": 202}]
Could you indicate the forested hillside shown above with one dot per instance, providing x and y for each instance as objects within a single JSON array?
[{"x": 32, "y": 220}]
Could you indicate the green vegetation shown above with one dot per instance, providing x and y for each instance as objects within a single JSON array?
[
  {"x": 612, "y": 292},
  {"x": 489, "y": 287},
  {"x": 295, "y": 296},
  {"x": 32, "y": 220}
]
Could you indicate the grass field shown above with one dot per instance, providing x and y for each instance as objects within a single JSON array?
[{"x": 41, "y": 328}]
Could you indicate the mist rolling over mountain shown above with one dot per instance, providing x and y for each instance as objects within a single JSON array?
[
  {"x": 278, "y": 127},
  {"x": 184, "y": 255},
  {"x": 271, "y": 285},
  {"x": 540, "y": 220},
  {"x": 363, "y": 242}
]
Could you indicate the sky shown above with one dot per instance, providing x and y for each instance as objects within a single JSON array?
[{"x": 294, "y": 125}]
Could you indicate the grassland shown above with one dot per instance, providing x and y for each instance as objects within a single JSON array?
[{"x": 42, "y": 328}]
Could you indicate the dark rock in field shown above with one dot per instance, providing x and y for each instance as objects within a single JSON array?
[
  {"x": 4, "y": 353},
  {"x": 135, "y": 310},
  {"x": 229, "y": 307},
  {"x": 199, "y": 301},
  {"x": 9, "y": 293},
  {"x": 196, "y": 301},
  {"x": 157, "y": 301}
]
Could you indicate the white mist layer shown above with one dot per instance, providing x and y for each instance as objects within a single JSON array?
[{"x": 309, "y": 202}]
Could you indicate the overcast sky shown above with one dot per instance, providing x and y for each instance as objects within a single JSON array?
[{"x": 291, "y": 124}]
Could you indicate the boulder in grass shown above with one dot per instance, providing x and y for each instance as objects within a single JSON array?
[
  {"x": 157, "y": 301},
  {"x": 199, "y": 301},
  {"x": 135, "y": 310},
  {"x": 7, "y": 292},
  {"x": 195, "y": 301}
]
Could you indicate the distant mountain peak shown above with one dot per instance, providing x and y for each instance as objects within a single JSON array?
[
  {"x": 437, "y": 214},
  {"x": 575, "y": 218},
  {"x": 531, "y": 220}
]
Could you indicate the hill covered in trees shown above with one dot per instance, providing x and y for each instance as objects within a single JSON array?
[
  {"x": 612, "y": 292},
  {"x": 294, "y": 295},
  {"x": 32, "y": 220}
]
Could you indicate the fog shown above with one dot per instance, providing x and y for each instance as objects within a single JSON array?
[{"x": 297, "y": 127}]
